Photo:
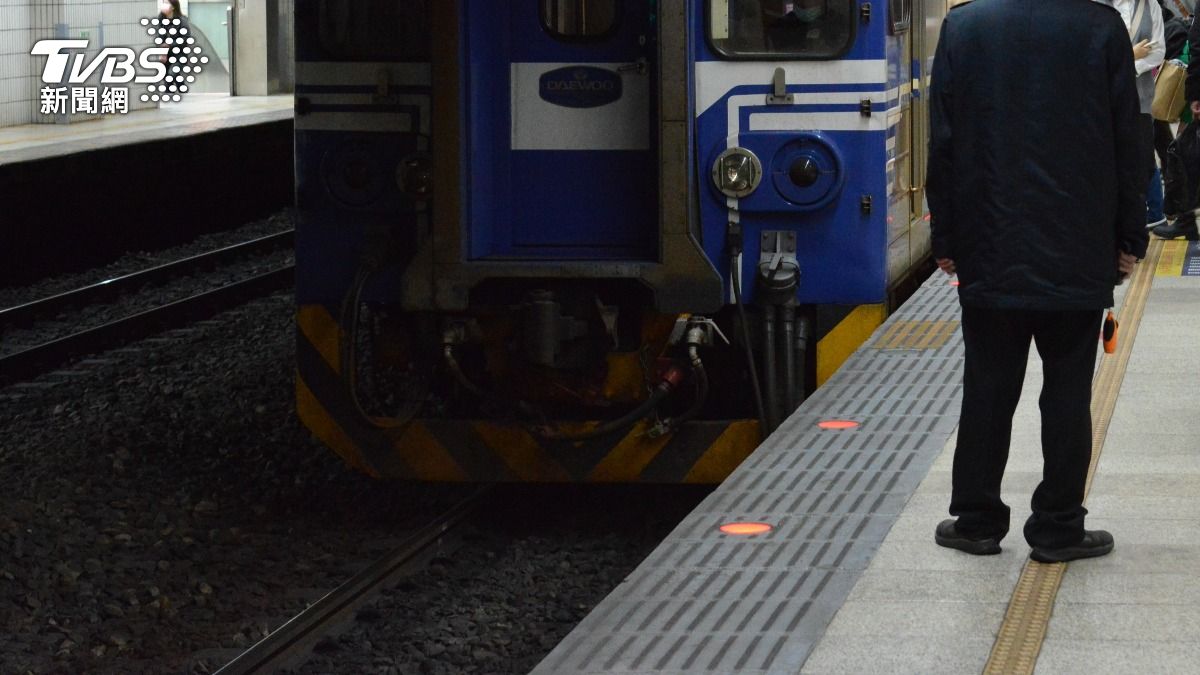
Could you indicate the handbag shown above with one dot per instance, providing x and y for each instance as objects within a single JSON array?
[{"x": 1169, "y": 91}]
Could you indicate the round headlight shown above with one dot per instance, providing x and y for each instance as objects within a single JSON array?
[{"x": 737, "y": 172}]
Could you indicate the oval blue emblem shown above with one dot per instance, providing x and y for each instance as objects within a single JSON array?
[{"x": 580, "y": 86}]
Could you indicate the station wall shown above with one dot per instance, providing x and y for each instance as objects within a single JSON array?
[{"x": 105, "y": 23}]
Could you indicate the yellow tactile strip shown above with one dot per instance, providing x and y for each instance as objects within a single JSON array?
[
  {"x": 916, "y": 335},
  {"x": 1020, "y": 637},
  {"x": 1174, "y": 253}
]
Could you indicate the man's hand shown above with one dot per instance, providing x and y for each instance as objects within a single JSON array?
[
  {"x": 1142, "y": 49},
  {"x": 947, "y": 265},
  {"x": 1125, "y": 263}
]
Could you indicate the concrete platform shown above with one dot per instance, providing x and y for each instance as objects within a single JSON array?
[
  {"x": 79, "y": 195},
  {"x": 197, "y": 114},
  {"x": 887, "y": 599}
]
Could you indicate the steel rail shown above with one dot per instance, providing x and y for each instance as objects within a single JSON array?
[
  {"x": 34, "y": 360},
  {"x": 289, "y": 641},
  {"x": 109, "y": 288}
]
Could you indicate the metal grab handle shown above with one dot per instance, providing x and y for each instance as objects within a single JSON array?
[
  {"x": 231, "y": 26},
  {"x": 639, "y": 67}
]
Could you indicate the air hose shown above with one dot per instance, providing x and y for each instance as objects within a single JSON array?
[
  {"x": 735, "y": 250},
  {"x": 348, "y": 321},
  {"x": 625, "y": 422}
]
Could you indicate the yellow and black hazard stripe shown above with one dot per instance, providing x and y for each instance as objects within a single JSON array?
[
  {"x": 841, "y": 329},
  {"x": 486, "y": 451}
]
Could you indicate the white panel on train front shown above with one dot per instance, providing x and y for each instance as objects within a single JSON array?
[
  {"x": 538, "y": 124},
  {"x": 715, "y": 79}
]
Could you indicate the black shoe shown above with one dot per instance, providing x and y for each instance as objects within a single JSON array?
[
  {"x": 1095, "y": 544},
  {"x": 947, "y": 535},
  {"x": 1177, "y": 229}
]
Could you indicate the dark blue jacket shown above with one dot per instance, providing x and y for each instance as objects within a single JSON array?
[{"x": 1037, "y": 176}]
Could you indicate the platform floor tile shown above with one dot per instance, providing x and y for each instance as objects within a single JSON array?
[
  {"x": 856, "y": 655},
  {"x": 1116, "y": 657}
]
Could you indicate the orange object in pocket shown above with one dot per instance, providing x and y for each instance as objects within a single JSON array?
[{"x": 1109, "y": 334}]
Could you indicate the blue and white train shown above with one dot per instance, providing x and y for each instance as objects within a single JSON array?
[{"x": 596, "y": 240}]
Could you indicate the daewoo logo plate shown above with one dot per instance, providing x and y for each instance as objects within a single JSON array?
[{"x": 580, "y": 87}]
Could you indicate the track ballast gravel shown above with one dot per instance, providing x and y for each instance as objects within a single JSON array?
[{"x": 163, "y": 510}]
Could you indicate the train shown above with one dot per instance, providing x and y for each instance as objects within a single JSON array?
[{"x": 596, "y": 240}]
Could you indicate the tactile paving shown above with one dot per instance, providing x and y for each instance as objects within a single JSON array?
[{"x": 706, "y": 602}]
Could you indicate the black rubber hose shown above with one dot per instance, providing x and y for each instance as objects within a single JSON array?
[
  {"x": 517, "y": 407},
  {"x": 803, "y": 328},
  {"x": 788, "y": 313},
  {"x": 753, "y": 367},
  {"x": 770, "y": 385},
  {"x": 622, "y": 423},
  {"x": 460, "y": 376},
  {"x": 697, "y": 405},
  {"x": 348, "y": 355}
]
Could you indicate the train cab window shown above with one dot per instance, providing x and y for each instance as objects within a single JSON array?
[
  {"x": 373, "y": 30},
  {"x": 901, "y": 11},
  {"x": 781, "y": 29},
  {"x": 579, "y": 18}
]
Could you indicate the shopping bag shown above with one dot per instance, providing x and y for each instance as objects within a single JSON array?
[{"x": 1168, "y": 91}]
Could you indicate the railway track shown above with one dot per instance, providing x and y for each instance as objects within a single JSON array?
[
  {"x": 33, "y": 360},
  {"x": 288, "y": 645}
]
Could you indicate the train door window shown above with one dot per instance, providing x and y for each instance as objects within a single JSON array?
[
  {"x": 579, "y": 18},
  {"x": 373, "y": 30},
  {"x": 781, "y": 29},
  {"x": 901, "y": 14}
]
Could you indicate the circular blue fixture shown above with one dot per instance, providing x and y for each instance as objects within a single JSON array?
[
  {"x": 808, "y": 171},
  {"x": 353, "y": 174}
]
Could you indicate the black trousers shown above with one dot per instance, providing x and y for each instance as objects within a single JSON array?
[
  {"x": 1148, "y": 145},
  {"x": 1163, "y": 135},
  {"x": 997, "y": 349}
]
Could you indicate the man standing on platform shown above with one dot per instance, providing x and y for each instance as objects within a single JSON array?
[{"x": 1037, "y": 190}]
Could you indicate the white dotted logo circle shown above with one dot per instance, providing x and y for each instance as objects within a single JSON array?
[{"x": 183, "y": 60}]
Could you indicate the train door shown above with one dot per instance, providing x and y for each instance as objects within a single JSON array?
[
  {"x": 928, "y": 16},
  {"x": 903, "y": 121},
  {"x": 561, "y": 157}
]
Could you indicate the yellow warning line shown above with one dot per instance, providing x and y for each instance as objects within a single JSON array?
[
  {"x": 1019, "y": 641},
  {"x": 916, "y": 335},
  {"x": 1173, "y": 256}
]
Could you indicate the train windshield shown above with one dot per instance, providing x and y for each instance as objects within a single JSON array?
[
  {"x": 781, "y": 29},
  {"x": 373, "y": 30},
  {"x": 579, "y": 18}
]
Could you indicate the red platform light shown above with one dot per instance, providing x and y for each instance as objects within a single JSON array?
[
  {"x": 746, "y": 529},
  {"x": 837, "y": 424},
  {"x": 954, "y": 282}
]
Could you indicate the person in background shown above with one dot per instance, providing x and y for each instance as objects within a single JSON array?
[
  {"x": 806, "y": 26},
  {"x": 1037, "y": 195},
  {"x": 1174, "y": 38},
  {"x": 1149, "y": 50},
  {"x": 169, "y": 10},
  {"x": 1176, "y": 20},
  {"x": 1185, "y": 224}
]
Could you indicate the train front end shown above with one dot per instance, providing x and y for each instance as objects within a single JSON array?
[{"x": 593, "y": 240}]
